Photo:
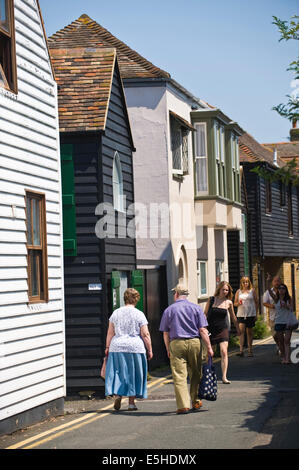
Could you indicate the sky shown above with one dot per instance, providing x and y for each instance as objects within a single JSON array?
[{"x": 225, "y": 52}]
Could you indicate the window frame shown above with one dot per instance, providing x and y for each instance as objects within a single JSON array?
[
  {"x": 282, "y": 191},
  {"x": 201, "y": 157},
  {"x": 9, "y": 73},
  {"x": 221, "y": 263},
  {"x": 268, "y": 197},
  {"x": 235, "y": 162},
  {"x": 182, "y": 148},
  {"x": 290, "y": 212},
  {"x": 198, "y": 274},
  {"x": 41, "y": 249},
  {"x": 118, "y": 199}
]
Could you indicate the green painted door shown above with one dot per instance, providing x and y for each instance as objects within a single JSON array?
[{"x": 137, "y": 282}]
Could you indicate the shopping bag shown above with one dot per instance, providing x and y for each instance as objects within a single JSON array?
[
  {"x": 292, "y": 322},
  {"x": 208, "y": 385},
  {"x": 103, "y": 368}
]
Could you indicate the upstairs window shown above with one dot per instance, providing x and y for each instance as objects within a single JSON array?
[
  {"x": 118, "y": 188},
  {"x": 179, "y": 146},
  {"x": 201, "y": 159},
  {"x": 220, "y": 158},
  {"x": 36, "y": 247},
  {"x": 8, "y": 73},
  {"x": 290, "y": 212},
  {"x": 282, "y": 190},
  {"x": 235, "y": 160},
  {"x": 268, "y": 195}
]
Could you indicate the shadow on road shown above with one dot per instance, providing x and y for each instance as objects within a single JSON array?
[{"x": 276, "y": 418}]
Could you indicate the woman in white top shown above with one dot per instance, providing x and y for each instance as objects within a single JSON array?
[
  {"x": 283, "y": 333},
  {"x": 247, "y": 302},
  {"x": 127, "y": 340}
]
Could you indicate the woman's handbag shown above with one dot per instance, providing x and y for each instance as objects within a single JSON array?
[
  {"x": 103, "y": 369},
  {"x": 293, "y": 322},
  {"x": 208, "y": 384}
]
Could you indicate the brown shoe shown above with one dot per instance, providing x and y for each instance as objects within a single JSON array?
[
  {"x": 117, "y": 403},
  {"x": 197, "y": 405},
  {"x": 182, "y": 411}
]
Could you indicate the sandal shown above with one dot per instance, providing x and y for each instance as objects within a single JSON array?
[
  {"x": 117, "y": 403},
  {"x": 132, "y": 408},
  {"x": 226, "y": 382},
  {"x": 240, "y": 354}
]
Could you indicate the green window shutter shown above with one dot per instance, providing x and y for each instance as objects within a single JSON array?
[
  {"x": 137, "y": 282},
  {"x": 68, "y": 200},
  {"x": 115, "y": 289}
]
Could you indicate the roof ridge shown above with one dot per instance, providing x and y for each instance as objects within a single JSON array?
[{"x": 105, "y": 35}]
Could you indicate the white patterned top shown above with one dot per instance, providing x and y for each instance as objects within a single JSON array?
[
  {"x": 127, "y": 322},
  {"x": 247, "y": 308}
]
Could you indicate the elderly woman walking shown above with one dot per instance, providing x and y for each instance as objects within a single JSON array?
[{"x": 127, "y": 342}]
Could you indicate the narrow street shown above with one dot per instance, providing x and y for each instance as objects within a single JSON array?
[{"x": 258, "y": 410}]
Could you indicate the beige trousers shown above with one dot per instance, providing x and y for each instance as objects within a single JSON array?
[{"x": 186, "y": 359}]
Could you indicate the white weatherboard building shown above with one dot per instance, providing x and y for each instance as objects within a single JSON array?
[{"x": 32, "y": 347}]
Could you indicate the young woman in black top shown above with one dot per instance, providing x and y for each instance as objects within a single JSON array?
[{"x": 217, "y": 310}]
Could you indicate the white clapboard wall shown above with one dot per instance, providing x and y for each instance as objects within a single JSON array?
[{"x": 32, "y": 346}]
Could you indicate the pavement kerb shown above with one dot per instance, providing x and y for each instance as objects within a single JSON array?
[{"x": 53, "y": 433}]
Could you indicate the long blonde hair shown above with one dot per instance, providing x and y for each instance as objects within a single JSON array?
[
  {"x": 245, "y": 278},
  {"x": 219, "y": 287}
]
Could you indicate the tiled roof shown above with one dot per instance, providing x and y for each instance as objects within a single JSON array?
[
  {"x": 285, "y": 150},
  {"x": 253, "y": 151},
  {"x": 84, "y": 77},
  {"x": 84, "y": 32}
]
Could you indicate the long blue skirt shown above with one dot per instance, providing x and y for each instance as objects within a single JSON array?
[{"x": 126, "y": 374}]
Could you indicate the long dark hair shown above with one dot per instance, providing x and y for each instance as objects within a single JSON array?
[{"x": 286, "y": 295}]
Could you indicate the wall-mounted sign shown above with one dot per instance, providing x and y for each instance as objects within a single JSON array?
[{"x": 95, "y": 286}]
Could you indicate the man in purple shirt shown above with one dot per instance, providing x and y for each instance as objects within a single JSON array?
[{"x": 184, "y": 326}]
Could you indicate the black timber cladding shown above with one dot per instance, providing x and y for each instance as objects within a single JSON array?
[
  {"x": 87, "y": 312},
  {"x": 120, "y": 253},
  {"x": 269, "y": 232}
]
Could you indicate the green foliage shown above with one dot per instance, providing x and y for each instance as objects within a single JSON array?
[
  {"x": 234, "y": 341},
  {"x": 290, "y": 110},
  {"x": 287, "y": 174},
  {"x": 260, "y": 329},
  {"x": 289, "y": 30}
]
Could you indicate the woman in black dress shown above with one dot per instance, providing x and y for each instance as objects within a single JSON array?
[{"x": 217, "y": 310}]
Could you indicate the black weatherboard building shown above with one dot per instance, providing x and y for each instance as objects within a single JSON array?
[
  {"x": 96, "y": 161},
  {"x": 273, "y": 208}
]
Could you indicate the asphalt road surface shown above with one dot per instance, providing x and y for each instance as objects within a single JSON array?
[{"x": 258, "y": 410}]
